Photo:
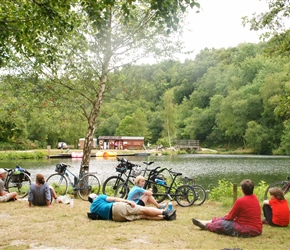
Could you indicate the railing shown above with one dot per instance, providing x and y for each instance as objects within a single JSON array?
[{"x": 192, "y": 144}]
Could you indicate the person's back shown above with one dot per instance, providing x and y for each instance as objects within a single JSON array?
[
  {"x": 246, "y": 212},
  {"x": 276, "y": 210},
  {"x": 281, "y": 212},
  {"x": 38, "y": 195},
  {"x": 243, "y": 220}
]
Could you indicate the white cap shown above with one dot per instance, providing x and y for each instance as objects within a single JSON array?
[
  {"x": 92, "y": 197},
  {"x": 2, "y": 171}
]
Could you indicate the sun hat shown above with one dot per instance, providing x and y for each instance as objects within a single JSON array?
[
  {"x": 2, "y": 171},
  {"x": 92, "y": 197}
]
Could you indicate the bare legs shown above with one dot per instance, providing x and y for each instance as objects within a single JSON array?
[
  {"x": 152, "y": 213},
  {"x": 12, "y": 196},
  {"x": 146, "y": 198}
]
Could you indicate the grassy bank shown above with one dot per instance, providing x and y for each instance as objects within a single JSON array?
[
  {"x": 62, "y": 227},
  {"x": 44, "y": 153}
]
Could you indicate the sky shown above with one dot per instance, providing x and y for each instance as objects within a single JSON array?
[{"x": 219, "y": 24}]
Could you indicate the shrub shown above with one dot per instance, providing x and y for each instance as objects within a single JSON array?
[{"x": 224, "y": 192}]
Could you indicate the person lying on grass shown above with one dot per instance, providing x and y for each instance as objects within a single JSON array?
[
  {"x": 120, "y": 210},
  {"x": 244, "y": 219},
  {"x": 142, "y": 196}
]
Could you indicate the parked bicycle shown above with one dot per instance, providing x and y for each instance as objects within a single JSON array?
[
  {"x": 120, "y": 185},
  {"x": 17, "y": 180},
  {"x": 183, "y": 194},
  {"x": 284, "y": 185},
  {"x": 87, "y": 183},
  {"x": 200, "y": 192}
]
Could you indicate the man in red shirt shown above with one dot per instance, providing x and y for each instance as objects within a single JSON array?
[{"x": 244, "y": 219}]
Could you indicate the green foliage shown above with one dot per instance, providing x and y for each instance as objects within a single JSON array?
[
  {"x": 224, "y": 192},
  {"x": 237, "y": 98},
  {"x": 274, "y": 24},
  {"x": 258, "y": 138},
  {"x": 21, "y": 155}
]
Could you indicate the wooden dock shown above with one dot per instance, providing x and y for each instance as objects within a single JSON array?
[{"x": 187, "y": 144}]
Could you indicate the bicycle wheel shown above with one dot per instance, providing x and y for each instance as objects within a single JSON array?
[
  {"x": 160, "y": 192},
  {"x": 59, "y": 183},
  {"x": 185, "y": 195},
  {"x": 19, "y": 183},
  {"x": 111, "y": 185},
  {"x": 280, "y": 184},
  {"x": 88, "y": 184},
  {"x": 122, "y": 191},
  {"x": 200, "y": 195}
]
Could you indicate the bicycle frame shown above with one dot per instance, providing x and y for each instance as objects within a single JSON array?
[
  {"x": 76, "y": 178},
  {"x": 119, "y": 185},
  {"x": 170, "y": 190}
]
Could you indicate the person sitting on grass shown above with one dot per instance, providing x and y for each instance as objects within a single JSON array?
[
  {"x": 40, "y": 194},
  {"x": 141, "y": 196},
  {"x": 244, "y": 219},
  {"x": 117, "y": 209},
  {"x": 276, "y": 210},
  {"x": 4, "y": 195}
]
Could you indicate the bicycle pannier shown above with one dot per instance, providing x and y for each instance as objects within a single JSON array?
[
  {"x": 121, "y": 168},
  {"x": 59, "y": 168}
]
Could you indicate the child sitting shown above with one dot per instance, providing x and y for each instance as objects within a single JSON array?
[
  {"x": 141, "y": 196},
  {"x": 276, "y": 209}
]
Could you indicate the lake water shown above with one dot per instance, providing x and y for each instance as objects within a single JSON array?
[{"x": 206, "y": 169}]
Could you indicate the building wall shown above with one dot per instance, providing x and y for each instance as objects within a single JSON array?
[
  {"x": 119, "y": 142},
  {"x": 82, "y": 142}
]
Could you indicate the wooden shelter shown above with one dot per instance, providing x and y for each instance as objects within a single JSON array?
[{"x": 121, "y": 142}]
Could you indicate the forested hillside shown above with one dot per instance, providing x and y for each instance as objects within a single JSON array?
[{"x": 235, "y": 97}]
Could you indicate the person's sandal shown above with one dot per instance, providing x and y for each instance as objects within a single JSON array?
[{"x": 198, "y": 223}]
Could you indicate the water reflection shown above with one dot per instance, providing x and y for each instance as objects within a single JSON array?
[{"x": 207, "y": 169}]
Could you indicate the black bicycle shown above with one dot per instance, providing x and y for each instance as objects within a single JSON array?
[
  {"x": 17, "y": 180},
  {"x": 284, "y": 185},
  {"x": 200, "y": 192},
  {"x": 183, "y": 194},
  {"x": 120, "y": 185}
]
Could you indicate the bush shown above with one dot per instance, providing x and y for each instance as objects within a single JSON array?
[
  {"x": 224, "y": 192},
  {"x": 21, "y": 155}
]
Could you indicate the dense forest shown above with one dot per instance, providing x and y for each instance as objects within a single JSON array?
[
  {"x": 229, "y": 98},
  {"x": 68, "y": 69}
]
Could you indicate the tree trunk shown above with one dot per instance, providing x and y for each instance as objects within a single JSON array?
[{"x": 88, "y": 144}]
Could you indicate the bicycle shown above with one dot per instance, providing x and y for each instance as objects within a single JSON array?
[
  {"x": 84, "y": 185},
  {"x": 198, "y": 189},
  {"x": 183, "y": 194},
  {"x": 284, "y": 185},
  {"x": 17, "y": 180},
  {"x": 120, "y": 185}
]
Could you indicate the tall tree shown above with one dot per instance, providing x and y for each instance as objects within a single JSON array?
[
  {"x": 275, "y": 23},
  {"x": 109, "y": 35},
  {"x": 169, "y": 116}
]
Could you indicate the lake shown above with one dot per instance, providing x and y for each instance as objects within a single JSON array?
[{"x": 206, "y": 169}]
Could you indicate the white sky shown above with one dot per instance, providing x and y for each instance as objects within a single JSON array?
[{"x": 219, "y": 24}]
